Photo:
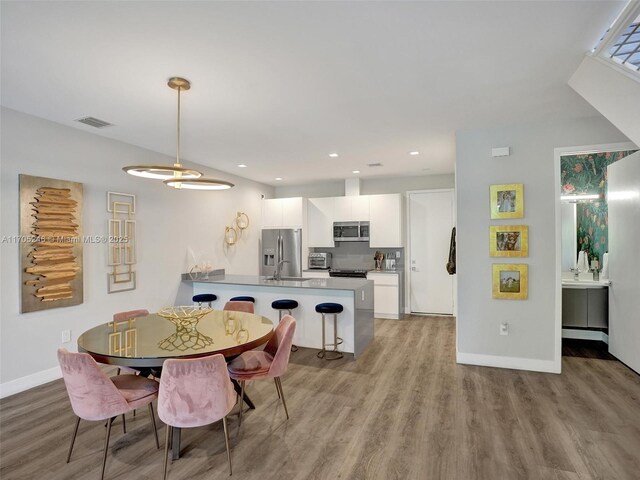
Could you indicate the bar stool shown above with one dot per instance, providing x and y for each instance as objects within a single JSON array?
[
  {"x": 281, "y": 306},
  {"x": 243, "y": 299},
  {"x": 330, "y": 309},
  {"x": 204, "y": 298}
]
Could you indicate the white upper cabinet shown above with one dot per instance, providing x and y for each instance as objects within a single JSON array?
[
  {"x": 283, "y": 212},
  {"x": 320, "y": 222},
  {"x": 351, "y": 208},
  {"x": 360, "y": 207},
  {"x": 385, "y": 221}
]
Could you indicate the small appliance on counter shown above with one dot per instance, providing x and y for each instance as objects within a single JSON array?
[
  {"x": 348, "y": 273},
  {"x": 319, "y": 261}
]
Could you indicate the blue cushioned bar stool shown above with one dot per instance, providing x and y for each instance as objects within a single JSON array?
[
  {"x": 204, "y": 298},
  {"x": 243, "y": 299},
  {"x": 330, "y": 309},
  {"x": 281, "y": 306}
]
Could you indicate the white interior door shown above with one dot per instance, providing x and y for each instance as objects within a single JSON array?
[
  {"x": 430, "y": 224},
  {"x": 623, "y": 199}
]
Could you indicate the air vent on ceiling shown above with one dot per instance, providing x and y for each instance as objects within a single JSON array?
[
  {"x": 374, "y": 164},
  {"x": 94, "y": 122}
]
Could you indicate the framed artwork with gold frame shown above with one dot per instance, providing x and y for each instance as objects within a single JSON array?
[
  {"x": 507, "y": 201},
  {"x": 510, "y": 281},
  {"x": 509, "y": 240}
]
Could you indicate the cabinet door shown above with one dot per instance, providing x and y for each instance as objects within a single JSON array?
[
  {"x": 320, "y": 222},
  {"x": 360, "y": 208},
  {"x": 271, "y": 213},
  {"x": 574, "y": 307},
  {"x": 292, "y": 212},
  {"x": 342, "y": 209},
  {"x": 598, "y": 309},
  {"x": 318, "y": 274},
  {"x": 385, "y": 300},
  {"x": 385, "y": 221}
]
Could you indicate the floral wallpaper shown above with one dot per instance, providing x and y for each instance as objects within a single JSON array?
[{"x": 587, "y": 174}]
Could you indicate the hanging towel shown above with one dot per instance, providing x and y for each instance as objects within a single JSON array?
[
  {"x": 605, "y": 267},
  {"x": 583, "y": 262},
  {"x": 451, "y": 263}
]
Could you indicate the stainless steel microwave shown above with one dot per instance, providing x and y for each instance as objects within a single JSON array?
[{"x": 351, "y": 231}]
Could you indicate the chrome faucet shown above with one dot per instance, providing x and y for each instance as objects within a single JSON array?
[
  {"x": 576, "y": 273},
  {"x": 278, "y": 274}
]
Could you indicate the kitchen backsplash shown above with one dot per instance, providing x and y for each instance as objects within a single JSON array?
[{"x": 358, "y": 255}]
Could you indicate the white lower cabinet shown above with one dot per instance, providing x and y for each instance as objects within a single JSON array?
[
  {"x": 386, "y": 294},
  {"x": 316, "y": 274}
]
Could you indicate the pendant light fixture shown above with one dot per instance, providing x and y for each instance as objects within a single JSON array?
[
  {"x": 178, "y": 176},
  {"x": 164, "y": 172}
]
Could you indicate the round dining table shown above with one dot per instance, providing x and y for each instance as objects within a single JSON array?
[{"x": 144, "y": 343}]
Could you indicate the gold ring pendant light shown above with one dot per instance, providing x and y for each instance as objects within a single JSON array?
[{"x": 177, "y": 176}]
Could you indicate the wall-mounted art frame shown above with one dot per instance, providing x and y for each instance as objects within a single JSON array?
[
  {"x": 50, "y": 244},
  {"x": 507, "y": 201},
  {"x": 509, "y": 240},
  {"x": 510, "y": 281},
  {"x": 121, "y": 246}
]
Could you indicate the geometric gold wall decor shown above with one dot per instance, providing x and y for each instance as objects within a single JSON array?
[
  {"x": 50, "y": 243},
  {"x": 121, "y": 242}
]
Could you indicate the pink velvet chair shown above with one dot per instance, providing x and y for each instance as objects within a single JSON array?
[
  {"x": 123, "y": 317},
  {"x": 94, "y": 396},
  {"x": 237, "y": 306},
  {"x": 271, "y": 362},
  {"x": 193, "y": 393}
]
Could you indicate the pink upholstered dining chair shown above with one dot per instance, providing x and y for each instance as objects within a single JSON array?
[
  {"x": 271, "y": 362},
  {"x": 193, "y": 393},
  {"x": 123, "y": 317},
  {"x": 94, "y": 396},
  {"x": 237, "y": 306}
]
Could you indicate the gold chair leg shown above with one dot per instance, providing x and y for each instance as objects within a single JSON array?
[
  {"x": 153, "y": 421},
  {"x": 279, "y": 383},
  {"x": 106, "y": 450},
  {"x": 124, "y": 424},
  {"x": 73, "y": 439},
  {"x": 242, "y": 383},
  {"x": 166, "y": 450},
  {"x": 277, "y": 388},
  {"x": 226, "y": 442}
]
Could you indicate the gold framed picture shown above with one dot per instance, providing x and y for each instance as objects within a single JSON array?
[
  {"x": 510, "y": 281},
  {"x": 509, "y": 240},
  {"x": 507, "y": 201}
]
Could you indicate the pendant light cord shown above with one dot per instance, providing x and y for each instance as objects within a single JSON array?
[{"x": 177, "y": 164}]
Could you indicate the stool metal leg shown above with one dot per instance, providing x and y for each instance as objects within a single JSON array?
[{"x": 334, "y": 354}]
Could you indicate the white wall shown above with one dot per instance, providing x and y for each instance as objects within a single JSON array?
[
  {"x": 530, "y": 344},
  {"x": 169, "y": 223},
  {"x": 368, "y": 186},
  {"x": 614, "y": 94}
]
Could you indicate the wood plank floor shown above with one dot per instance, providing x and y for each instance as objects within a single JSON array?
[{"x": 403, "y": 410}]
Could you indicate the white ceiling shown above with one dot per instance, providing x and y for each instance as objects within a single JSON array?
[{"x": 280, "y": 85}]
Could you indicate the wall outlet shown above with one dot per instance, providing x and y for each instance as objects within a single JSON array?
[
  {"x": 504, "y": 328},
  {"x": 398, "y": 254},
  {"x": 65, "y": 336}
]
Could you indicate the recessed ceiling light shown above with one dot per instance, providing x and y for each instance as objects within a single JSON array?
[
  {"x": 356, "y": 171},
  {"x": 333, "y": 155},
  {"x": 415, "y": 152},
  {"x": 278, "y": 178},
  {"x": 242, "y": 165}
]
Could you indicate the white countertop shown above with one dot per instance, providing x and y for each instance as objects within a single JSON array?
[
  {"x": 385, "y": 272},
  {"x": 585, "y": 283},
  {"x": 317, "y": 283}
]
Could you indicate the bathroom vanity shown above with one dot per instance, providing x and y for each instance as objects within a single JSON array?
[{"x": 585, "y": 303}]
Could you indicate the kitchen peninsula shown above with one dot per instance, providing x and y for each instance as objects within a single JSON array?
[{"x": 355, "y": 323}]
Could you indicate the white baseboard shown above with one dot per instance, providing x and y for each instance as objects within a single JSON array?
[
  {"x": 585, "y": 335},
  {"x": 25, "y": 383},
  {"x": 516, "y": 363}
]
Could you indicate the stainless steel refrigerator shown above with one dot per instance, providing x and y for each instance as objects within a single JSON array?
[{"x": 284, "y": 247}]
